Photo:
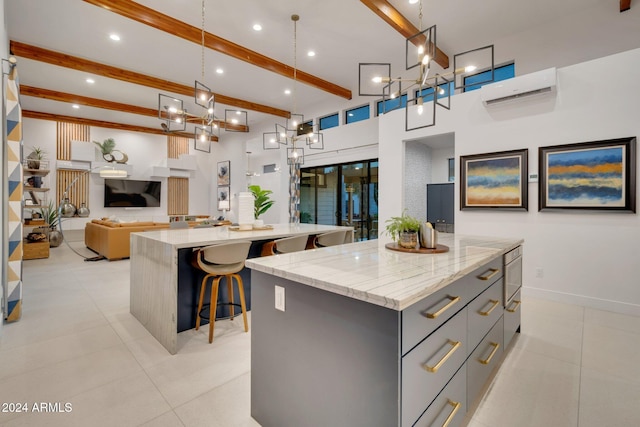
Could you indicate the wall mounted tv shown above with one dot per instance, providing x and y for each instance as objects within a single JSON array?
[{"x": 129, "y": 193}]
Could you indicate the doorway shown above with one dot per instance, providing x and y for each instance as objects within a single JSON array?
[{"x": 344, "y": 194}]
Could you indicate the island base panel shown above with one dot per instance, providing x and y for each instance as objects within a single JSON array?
[{"x": 327, "y": 360}]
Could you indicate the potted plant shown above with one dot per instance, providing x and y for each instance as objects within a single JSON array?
[
  {"x": 33, "y": 159},
  {"x": 262, "y": 202},
  {"x": 52, "y": 219},
  {"x": 403, "y": 229}
]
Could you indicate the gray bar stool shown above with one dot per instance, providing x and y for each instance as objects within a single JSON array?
[
  {"x": 285, "y": 245},
  {"x": 218, "y": 261},
  {"x": 331, "y": 238}
]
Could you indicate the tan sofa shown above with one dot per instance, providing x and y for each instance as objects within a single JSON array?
[{"x": 111, "y": 239}]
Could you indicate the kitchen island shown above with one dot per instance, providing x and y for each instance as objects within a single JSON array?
[
  {"x": 361, "y": 335},
  {"x": 164, "y": 285}
]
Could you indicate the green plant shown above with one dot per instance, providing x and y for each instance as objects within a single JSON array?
[
  {"x": 398, "y": 224},
  {"x": 107, "y": 145},
  {"x": 262, "y": 202},
  {"x": 50, "y": 215},
  {"x": 37, "y": 153}
]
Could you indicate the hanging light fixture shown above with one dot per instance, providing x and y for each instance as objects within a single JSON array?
[
  {"x": 429, "y": 91},
  {"x": 295, "y": 133},
  {"x": 175, "y": 116}
]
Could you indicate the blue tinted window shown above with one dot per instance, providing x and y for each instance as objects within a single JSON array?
[
  {"x": 500, "y": 73},
  {"x": 427, "y": 93},
  {"x": 357, "y": 114},
  {"x": 329, "y": 121},
  {"x": 391, "y": 104}
]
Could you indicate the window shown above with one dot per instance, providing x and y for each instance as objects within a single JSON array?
[
  {"x": 503, "y": 72},
  {"x": 357, "y": 114},
  {"x": 452, "y": 173},
  {"x": 445, "y": 90},
  {"x": 391, "y": 104},
  {"x": 330, "y": 121}
]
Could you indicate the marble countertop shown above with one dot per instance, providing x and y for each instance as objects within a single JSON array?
[
  {"x": 369, "y": 272},
  {"x": 192, "y": 237}
]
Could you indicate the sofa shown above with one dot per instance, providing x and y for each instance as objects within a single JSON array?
[{"x": 111, "y": 239}]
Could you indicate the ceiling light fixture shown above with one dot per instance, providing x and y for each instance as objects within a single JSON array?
[
  {"x": 425, "y": 91},
  {"x": 175, "y": 116},
  {"x": 295, "y": 131},
  {"x": 257, "y": 27},
  {"x": 311, "y": 53},
  {"x": 90, "y": 81},
  {"x": 114, "y": 37}
]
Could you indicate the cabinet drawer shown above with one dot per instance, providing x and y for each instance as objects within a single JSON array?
[
  {"x": 484, "y": 358},
  {"x": 424, "y": 317},
  {"x": 483, "y": 312},
  {"x": 428, "y": 367},
  {"x": 450, "y": 407},
  {"x": 511, "y": 319}
]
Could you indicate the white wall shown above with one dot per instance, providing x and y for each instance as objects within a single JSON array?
[
  {"x": 144, "y": 151},
  {"x": 587, "y": 258}
]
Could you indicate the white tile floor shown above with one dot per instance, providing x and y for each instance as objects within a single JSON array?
[{"x": 77, "y": 343}]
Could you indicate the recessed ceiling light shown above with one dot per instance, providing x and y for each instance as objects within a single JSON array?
[
  {"x": 311, "y": 53},
  {"x": 257, "y": 27},
  {"x": 219, "y": 71},
  {"x": 90, "y": 80},
  {"x": 114, "y": 37},
  {"x": 287, "y": 92},
  {"x": 76, "y": 106},
  {"x": 413, "y": 1}
]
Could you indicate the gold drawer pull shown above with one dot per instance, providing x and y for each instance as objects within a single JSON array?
[
  {"x": 488, "y": 312},
  {"x": 443, "y": 309},
  {"x": 434, "y": 368},
  {"x": 515, "y": 307},
  {"x": 493, "y": 271},
  {"x": 456, "y": 407},
  {"x": 486, "y": 361}
]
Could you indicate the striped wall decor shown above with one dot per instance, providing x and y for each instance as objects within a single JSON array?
[
  {"x": 77, "y": 194},
  {"x": 178, "y": 195},
  {"x": 67, "y": 132},
  {"x": 13, "y": 287},
  {"x": 177, "y": 145}
]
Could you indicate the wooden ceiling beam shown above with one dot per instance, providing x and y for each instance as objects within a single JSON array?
[
  {"x": 625, "y": 5},
  {"x": 104, "y": 124},
  {"x": 107, "y": 105},
  {"x": 73, "y": 62},
  {"x": 393, "y": 17},
  {"x": 162, "y": 22}
]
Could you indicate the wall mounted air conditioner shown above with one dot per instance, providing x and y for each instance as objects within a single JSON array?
[{"x": 538, "y": 83}]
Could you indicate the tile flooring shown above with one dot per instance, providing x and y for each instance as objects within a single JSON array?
[{"x": 78, "y": 344}]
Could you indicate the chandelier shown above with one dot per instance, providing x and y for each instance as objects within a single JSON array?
[
  {"x": 295, "y": 133},
  {"x": 420, "y": 96},
  {"x": 175, "y": 116}
]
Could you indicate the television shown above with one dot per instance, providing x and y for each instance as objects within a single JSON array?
[{"x": 129, "y": 193}]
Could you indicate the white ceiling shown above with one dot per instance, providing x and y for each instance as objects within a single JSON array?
[{"x": 343, "y": 33}]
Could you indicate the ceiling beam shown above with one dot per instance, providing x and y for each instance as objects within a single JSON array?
[
  {"x": 63, "y": 60},
  {"x": 54, "y": 95},
  {"x": 625, "y": 5},
  {"x": 391, "y": 16},
  {"x": 162, "y": 22},
  {"x": 104, "y": 124}
]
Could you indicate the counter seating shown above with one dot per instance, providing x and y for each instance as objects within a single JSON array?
[
  {"x": 331, "y": 238},
  {"x": 219, "y": 261},
  {"x": 285, "y": 245}
]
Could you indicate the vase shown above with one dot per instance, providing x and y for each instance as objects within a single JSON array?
[
  {"x": 55, "y": 238},
  {"x": 67, "y": 209},
  {"x": 83, "y": 210},
  {"x": 408, "y": 239},
  {"x": 428, "y": 236}
]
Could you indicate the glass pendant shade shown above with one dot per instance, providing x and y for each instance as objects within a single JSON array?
[{"x": 172, "y": 112}]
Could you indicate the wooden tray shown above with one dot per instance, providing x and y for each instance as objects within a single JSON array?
[
  {"x": 420, "y": 250},
  {"x": 266, "y": 227}
]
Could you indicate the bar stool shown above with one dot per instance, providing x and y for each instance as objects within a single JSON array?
[
  {"x": 218, "y": 261},
  {"x": 331, "y": 238},
  {"x": 285, "y": 245}
]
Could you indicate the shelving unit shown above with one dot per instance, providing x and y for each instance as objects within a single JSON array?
[{"x": 36, "y": 193}]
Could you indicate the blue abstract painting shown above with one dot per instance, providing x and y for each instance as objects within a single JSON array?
[{"x": 586, "y": 178}]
